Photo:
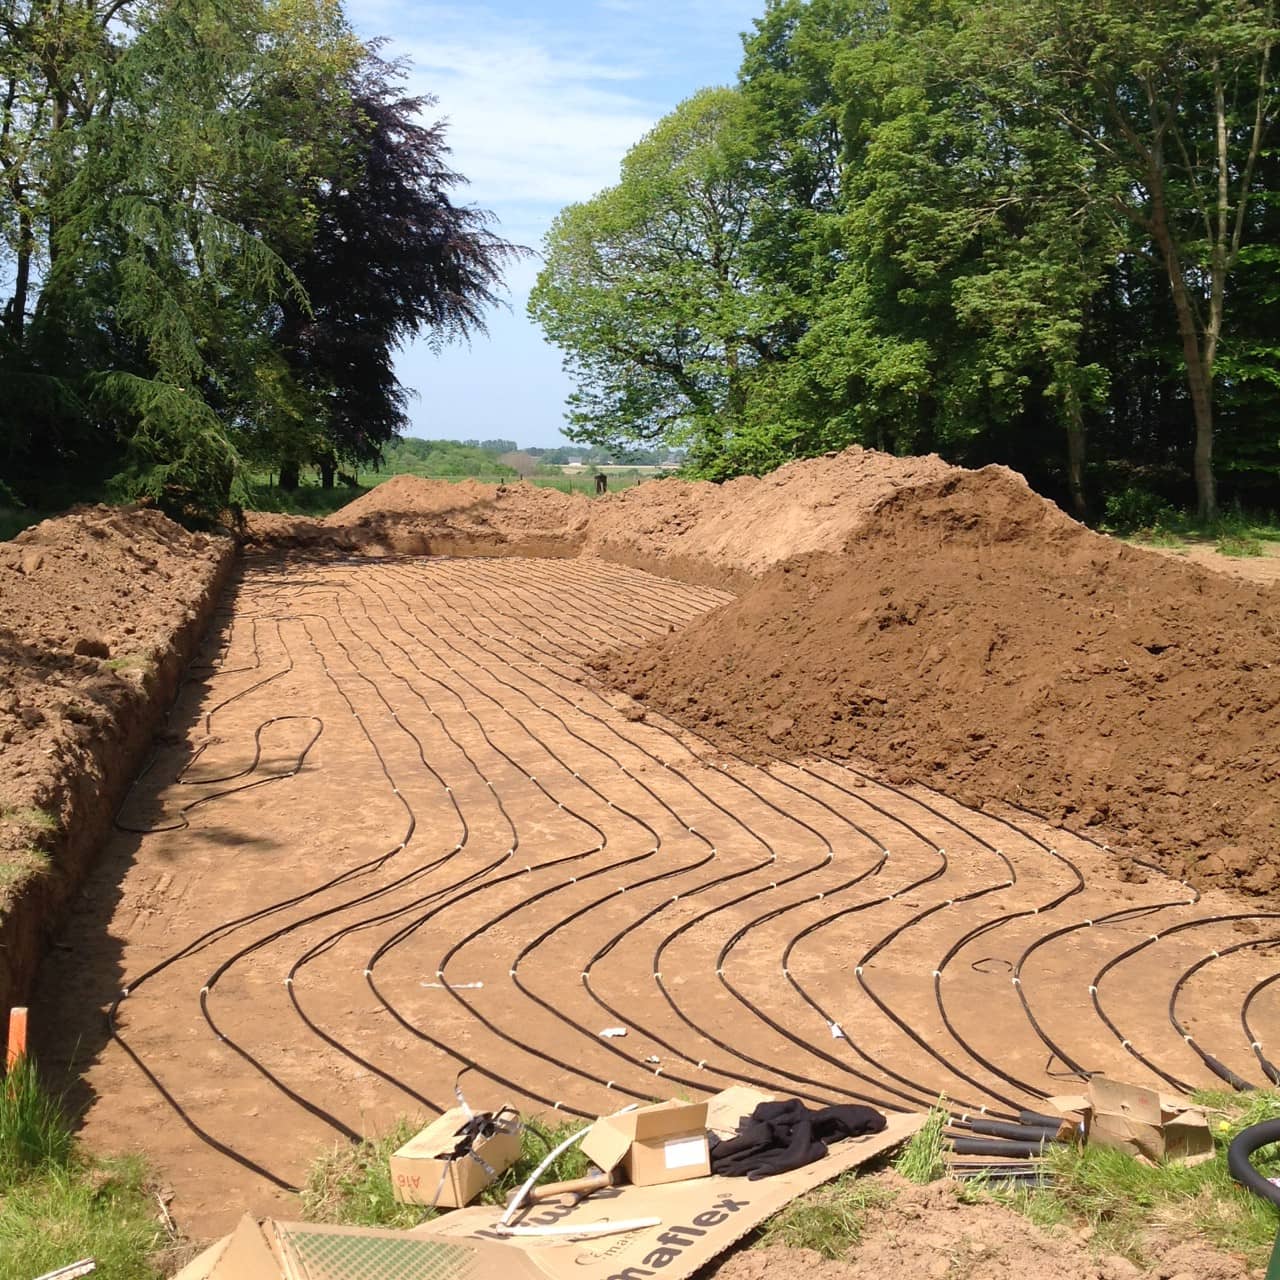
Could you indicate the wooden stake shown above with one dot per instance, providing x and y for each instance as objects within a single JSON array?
[{"x": 17, "y": 1038}]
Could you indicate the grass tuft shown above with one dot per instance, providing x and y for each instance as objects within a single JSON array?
[
  {"x": 351, "y": 1185},
  {"x": 36, "y": 819},
  {"x": 1236, "y": 544},
  {"x": 35, "y": 1134},
  {"x": 924, "y": 1158},
  {"x": 828, "y": 1220},
  {"x": 56, "y": 1206}
]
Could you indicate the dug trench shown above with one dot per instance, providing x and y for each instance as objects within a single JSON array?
[{"x": 409, "y": 818}]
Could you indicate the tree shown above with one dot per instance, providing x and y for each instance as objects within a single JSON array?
[
  {"x": 1177, "y": 102},
  {"x": 647, "y": 288},
  {"x": 391, "y": 257}
]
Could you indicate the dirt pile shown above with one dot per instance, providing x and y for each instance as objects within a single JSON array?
[
  {"x": 930, "y": 1232},
  {"x": 99, "y": 609},
  {"x": 721, "y": 535},
  {"x": 407, "y": 515},
  {"x": 973, "y": 637},
  {"x": 744, "y": 527}
]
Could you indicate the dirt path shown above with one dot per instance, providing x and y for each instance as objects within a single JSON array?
[
  {"x": 395, "y": 834},
  {"x": 1264, "y": 569}
]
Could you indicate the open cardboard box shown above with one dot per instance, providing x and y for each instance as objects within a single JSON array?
[
  {"x": 666, "y": 1142},
  {"x": 1150, "y": 1125},
  {"x": 424, "y": 1170}
]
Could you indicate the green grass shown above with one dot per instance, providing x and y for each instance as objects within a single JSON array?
[
  {"x": 351, "y": 1185},
  {"x": 57, "y": 1205},
  {"x": 828, "y": 1220},
  {"x": 1122, "y": 1200},
  {"x": 21, "y": 866},
  {"x": 924, "y": 1158},
  {"x": 40, "y": 819}
]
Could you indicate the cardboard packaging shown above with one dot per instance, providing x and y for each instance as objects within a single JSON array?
[
  {"x": 426, "y": 1171},
  {"x": 1150, "y": 1125},
  {"x": 666, "y": 1142}
]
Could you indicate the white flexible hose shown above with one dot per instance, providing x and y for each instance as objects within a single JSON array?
[{"x": 542, "y": 1168}]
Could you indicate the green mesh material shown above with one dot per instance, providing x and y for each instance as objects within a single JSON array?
[{"x": 334, "y": 1256}]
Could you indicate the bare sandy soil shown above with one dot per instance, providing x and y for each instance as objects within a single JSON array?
[{"x": 396, "y": 834}]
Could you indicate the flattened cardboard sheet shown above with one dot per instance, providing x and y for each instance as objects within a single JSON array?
[{"x": 699, "y": 1219}]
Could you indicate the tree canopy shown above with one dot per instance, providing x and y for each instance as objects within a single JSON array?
[
  {"x": 218, "y": 219},
  {"x": 1034, "y": 232}
]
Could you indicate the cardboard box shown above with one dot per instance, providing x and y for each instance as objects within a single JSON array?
[
  {"x": 666, "y": 1142},
  {"x": 1146, "y": 1124},
  {"x": 426, "y": 1170}
]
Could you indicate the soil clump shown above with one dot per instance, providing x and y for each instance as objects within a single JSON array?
[
  {"x": 99, "y": 610},
  {"x": 973, "y": 637}
]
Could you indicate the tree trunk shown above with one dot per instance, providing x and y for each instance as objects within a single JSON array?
[
  {"x": 1199, "y": 370},
  {"x": 1075, "y": 465},
  {"x": 328, "y": 466},
  {"x": 290, "y": 476},
  {"x": 16, "y": 317}
]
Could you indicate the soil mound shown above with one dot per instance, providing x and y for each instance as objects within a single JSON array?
[
  {"x": 745, "y": 526},
  {"x": 409, "y": 515},
  {"x": 723, "y": 535},
  {"x": 98, "y": 611},
  {"x": 973, "y": 637}
]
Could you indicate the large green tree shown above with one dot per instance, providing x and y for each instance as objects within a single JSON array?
[
  {"x": 1176, "y": 102},
  {"x": 649, "y": 291}
]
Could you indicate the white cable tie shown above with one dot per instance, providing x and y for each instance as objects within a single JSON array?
[
  {"x": 657, "y": 1071},
  {"x": 821, "y": 896},
  {"x": 584, "y": 975},
  {"x": 1155, "y": 937},
  {"x": 449, "y": 789},
  {"x": 1008, "y": 884},
  {"x": 675, "y": 897},
  {"x": 368, "y": 973},
  {"x": 1089, "y": 923},
  {"x": 124, "y": 995},
  {"x": 1186, "y": 1036},
  {"x": 1017, "y": 982},
  {"x": 891, "y": 897},
  {"x": 773, "y": 884},
  {"x": 657, "y": 976},
  {"x": 937, "y": 973},
  {"x": 858, "y": 971},
  {"x": 575, "y": 775},
  {"x": 555, "y": 1106},
  {"x": 982, "y": 1111},
  {"x": 1215, "y": 955},
  {"x": 942, "y": 853},
  {"x": 1093, "y": 991},
  {"x": 608, "y": 1084},
  {"x": 885, "y": 852},
  {"x": 1124, "y": 1044},
  {"x": 288, "y": 982},
  {"x": 1256, "y": 1046},
  {"x": 395, "y": 791},
  {"x": 786, "y": 973},
  {"x": 719, "y": 973},
  {"x": 204, "y": 991},
  {"x": 951, "y": 902},
  {"x": 622, "y": 888},
  {"x": 573, "y": 879},
  {"x": 702, "y": 1064}
]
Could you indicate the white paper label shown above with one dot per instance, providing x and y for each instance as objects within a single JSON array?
[{"x": 683, "y": 1153}]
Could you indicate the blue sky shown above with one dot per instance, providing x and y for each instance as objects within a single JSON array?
[{"x": 542, "y": 102}]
